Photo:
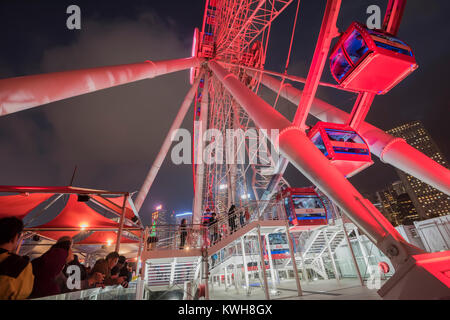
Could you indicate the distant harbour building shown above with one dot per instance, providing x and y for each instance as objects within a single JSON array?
[
  {"x": 396, "y": 205},
  {"x": 428, "y": 201}
]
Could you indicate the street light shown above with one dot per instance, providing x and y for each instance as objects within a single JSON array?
[{"x": 184, "y": 214}]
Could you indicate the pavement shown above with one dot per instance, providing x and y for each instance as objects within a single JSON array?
[{"x": 344, "y": 289}]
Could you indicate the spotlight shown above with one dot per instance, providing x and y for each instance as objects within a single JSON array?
[{"x": 83, "y": 198}]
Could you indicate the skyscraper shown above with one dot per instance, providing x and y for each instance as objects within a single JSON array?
[
  {"x": 396, "y": 204},
  {"x": 428, "y": 201}
]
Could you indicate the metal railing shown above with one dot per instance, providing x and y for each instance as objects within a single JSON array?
[{"x": 116, "y": 292}]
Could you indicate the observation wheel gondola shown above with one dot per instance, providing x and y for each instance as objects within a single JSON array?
[
  {"x": 370, "y": 60},
  {"x": 304, "y": 208}
]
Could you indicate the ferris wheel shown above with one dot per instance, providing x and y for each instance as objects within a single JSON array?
[{"x": 236, "y": 33}]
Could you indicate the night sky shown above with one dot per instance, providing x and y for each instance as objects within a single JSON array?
[{"x": 114, "y": 135}]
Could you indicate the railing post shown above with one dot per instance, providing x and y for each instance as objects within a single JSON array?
[
  {"x": 225, "y": 278},
  {"x": 269, "y": 256},
  {"x": 263, "y": 265},
  {"x": 205, "y": 272}
]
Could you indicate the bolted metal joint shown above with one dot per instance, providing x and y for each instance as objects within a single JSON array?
[{"x": 392, "y": 251}]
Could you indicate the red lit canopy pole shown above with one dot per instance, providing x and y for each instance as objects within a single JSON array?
[
  {"x": 26, "y": 92},
  {"x": 304, "y": 155}
]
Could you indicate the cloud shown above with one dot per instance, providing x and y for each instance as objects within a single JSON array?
[{"x": 113, "y": 134}]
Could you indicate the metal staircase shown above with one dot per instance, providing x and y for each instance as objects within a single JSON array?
[
  {"x": 164, "y": 274},
  {"x": 317, "y": 248}
]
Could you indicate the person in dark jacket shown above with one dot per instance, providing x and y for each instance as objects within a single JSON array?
[
  {"x": 49, "y": 266},
  {"x": 232, "y": 218},
  {"x": 125, "y": 272},
  {"x": 16, "y": 272},
  {"x": 213, "y": 228},
  {"x": 183, "y": 233},
  {"x": 241, "y": 218}
]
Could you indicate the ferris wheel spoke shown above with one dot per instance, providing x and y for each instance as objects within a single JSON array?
[
  {"x": 21, "y": 93},
  {"x": 157, "y": 163}
]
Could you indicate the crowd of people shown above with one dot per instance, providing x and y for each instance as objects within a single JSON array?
[
  {"x": 215, "y": 229},
  {"x": 50, "y": 273}
]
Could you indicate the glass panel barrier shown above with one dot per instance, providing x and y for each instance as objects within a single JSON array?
[{"x": 355, "y": 46}]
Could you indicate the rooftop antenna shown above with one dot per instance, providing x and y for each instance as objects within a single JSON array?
[{"x": 73, "y": 176}]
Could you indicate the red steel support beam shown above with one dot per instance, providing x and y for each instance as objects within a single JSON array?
[
  {"x": 20, "y": 93},
  {"x": 393, "y": 16},
  {"x": 328, "y": 31},
  {"x": 389, "y": 149},
  {"x": 200, "y": 166},
  {"x": 360, "y": 109}
]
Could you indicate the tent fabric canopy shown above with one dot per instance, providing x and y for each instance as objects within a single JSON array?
[
  {"x": 75, "y": 214},
  {"x": 116, "y": 206},
  {"x": 20, "y": 205}
]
